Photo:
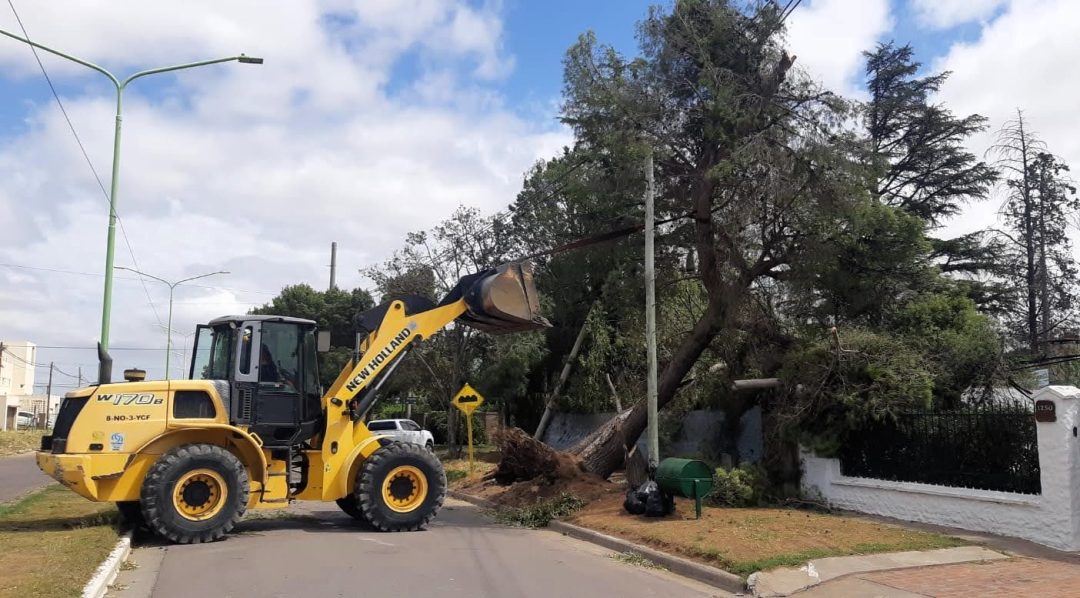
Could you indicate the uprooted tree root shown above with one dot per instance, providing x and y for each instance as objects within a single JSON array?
[
  {"x": 524, "y": 459},
  {"x": 530, "y": 473}
]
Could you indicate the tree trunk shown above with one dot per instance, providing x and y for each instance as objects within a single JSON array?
[
  {"x": 603, "y": 451},
  {"x": 451, "y": 429},
  {"x": 1029, "y": 241},
  {"x": 1044, "y": 271},
  {"x": 614, "y": 394},
  {"x": 549, "y": 407}
]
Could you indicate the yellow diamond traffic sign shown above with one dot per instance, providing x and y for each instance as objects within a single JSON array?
[{"x": 467, "y": 399}]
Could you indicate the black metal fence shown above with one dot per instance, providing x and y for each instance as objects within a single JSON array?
[{"x": 989, "y": 448}]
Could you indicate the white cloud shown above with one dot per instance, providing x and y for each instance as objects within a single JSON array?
[
  {"x": 251, "y": 169},
  {"x": 944, "y": 14},
  {"x": 829, "y": 36},
  {"x": 1024, "y": 58}
]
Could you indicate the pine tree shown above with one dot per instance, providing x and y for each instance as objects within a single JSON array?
[{"x": 918, "y": 156}]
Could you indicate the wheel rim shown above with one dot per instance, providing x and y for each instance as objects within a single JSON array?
[
  {"x": 200, "y": 494},
  {"x": 404, "y": 488}
]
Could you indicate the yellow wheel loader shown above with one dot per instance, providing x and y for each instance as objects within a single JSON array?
[{"x": 250, "y": 429}]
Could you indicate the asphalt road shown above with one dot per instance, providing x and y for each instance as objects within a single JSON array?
[
  {"x": 19, "y": 475},
  {"x": 313, "y": 551}
]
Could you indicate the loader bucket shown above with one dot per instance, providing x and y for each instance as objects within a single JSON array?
[{"x": 504, "y": 300}]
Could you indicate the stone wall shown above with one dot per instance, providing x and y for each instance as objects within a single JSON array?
[{"x": 701, "y": 434}]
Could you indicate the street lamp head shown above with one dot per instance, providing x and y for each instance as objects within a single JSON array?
[{"x": 249, "y": 59}]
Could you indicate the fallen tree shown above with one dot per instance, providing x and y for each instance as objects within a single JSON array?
[
  {"x": 710, "y": 97},
  {"x": 524, "y": 458}
]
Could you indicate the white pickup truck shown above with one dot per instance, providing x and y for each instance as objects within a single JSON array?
[{"x": 404, "y": 430}]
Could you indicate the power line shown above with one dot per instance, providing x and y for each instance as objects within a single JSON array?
[
  {"x": 97, "y": 275},
  {"x": 86, "y": 348},
  {"x": 112, "y": 212},
  {"x": 60, "y": 371},
  {"x": 784, "y": 14},
  {"x": 52, "y": 366},
  {"x": 29, "y": 363}
]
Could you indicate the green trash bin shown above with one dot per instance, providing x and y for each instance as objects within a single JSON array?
[{"x": 687, "y": 478}]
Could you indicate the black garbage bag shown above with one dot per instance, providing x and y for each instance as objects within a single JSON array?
[
  {"x": 659, "y": 503},
  {"x": 633, "y": 504},
  {"x": 649, "y": 500}
]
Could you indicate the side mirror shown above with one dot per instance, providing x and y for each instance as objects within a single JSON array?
[{"x": 322, "y": 344}]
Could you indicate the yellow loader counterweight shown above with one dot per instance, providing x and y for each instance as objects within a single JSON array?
[{"x": 251, "y": 429}]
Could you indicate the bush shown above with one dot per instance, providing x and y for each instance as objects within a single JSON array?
[
  {"x": 742, "y": 486},
  {"x": 455, "y": 474},
  {"x": 539, "y": 514}
]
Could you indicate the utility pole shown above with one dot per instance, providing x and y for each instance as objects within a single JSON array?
[
  {"x": 48, "y": 388},
  {"x": 333, "y": 265},
  {"x": 80, "y": 376},
  {"x": 650, "y": 316}
]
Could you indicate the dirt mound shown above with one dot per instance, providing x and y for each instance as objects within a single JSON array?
[{"x": 586, "y": 486}]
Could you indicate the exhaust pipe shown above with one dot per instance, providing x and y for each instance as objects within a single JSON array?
[{"x": 104, "y": 366}]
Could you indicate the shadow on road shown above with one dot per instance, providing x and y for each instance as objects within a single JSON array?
[{"x": 259, "y": 523}]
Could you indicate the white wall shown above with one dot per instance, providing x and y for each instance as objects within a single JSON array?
[
  {"x": 16, "y": 373},
  {"x": 1051, "y": 518}
]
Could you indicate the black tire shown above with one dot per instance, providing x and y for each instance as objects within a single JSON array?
[
  {"x": 374, "y": 474},
  {"x": 131, "y": 513},
  {"x": 430, "y": 446},
  {"x": 159, "y": 507},
  {"x": 351, "y": 507}
]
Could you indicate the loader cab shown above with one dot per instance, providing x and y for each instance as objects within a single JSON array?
[{"x": 267, "y": 372}]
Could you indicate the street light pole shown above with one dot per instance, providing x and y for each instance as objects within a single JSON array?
[
  {"x": 106, "y": 308},
  {"x": 172, "y": 288},
  {"x": 183, "y": 349}
]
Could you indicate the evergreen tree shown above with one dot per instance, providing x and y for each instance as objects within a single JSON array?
[
  {"x": 1040, "y": 204},
  {"x": 920, "y": 164}
]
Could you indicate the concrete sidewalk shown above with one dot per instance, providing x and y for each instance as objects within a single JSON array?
[
  {"x": 786, "y": 581},
  {"x": 1012, "y": 577}
]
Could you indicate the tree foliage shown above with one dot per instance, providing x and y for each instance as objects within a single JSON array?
[
  {"x": 918, "y": 147},
  {"x": 332, "y": 310}
]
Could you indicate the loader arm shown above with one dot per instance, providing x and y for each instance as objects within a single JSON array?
[
  {"x": 383, "y": 349},
  {"x": 500, "y": 300}
]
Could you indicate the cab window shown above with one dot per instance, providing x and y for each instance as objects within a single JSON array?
[
  {"x": 213, "y": 352},
  {"x": 279, "y": 356},
  {"x": 245, "y": 351}
]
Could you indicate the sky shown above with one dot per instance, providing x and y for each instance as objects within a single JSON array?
[{"x": 369, "y": 119}]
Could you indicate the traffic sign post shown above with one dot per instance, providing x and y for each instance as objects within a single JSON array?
[{"x": 467, "y": 400}]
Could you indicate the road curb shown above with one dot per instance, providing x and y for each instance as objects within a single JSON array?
[
  {"x": 480, "y": 502},
  {"x": 687, "y": 568},
  {"x": 106, "y": 572},
  {"x": 678, "y": 565}
]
